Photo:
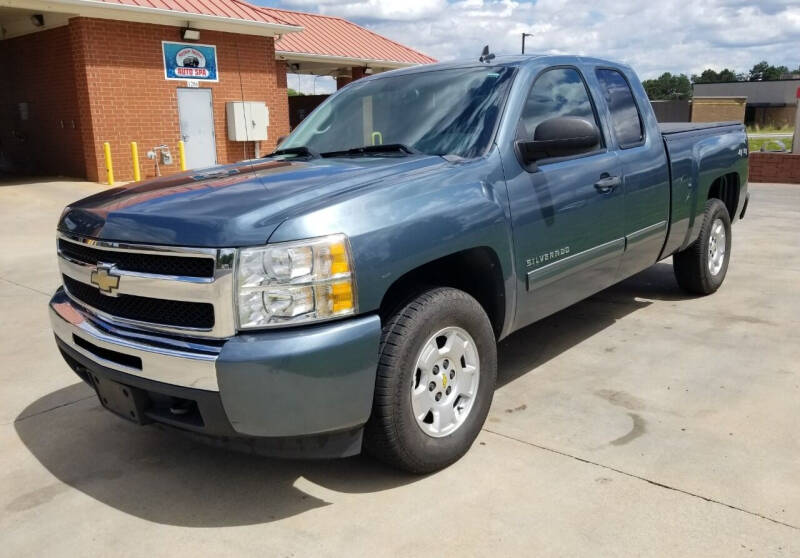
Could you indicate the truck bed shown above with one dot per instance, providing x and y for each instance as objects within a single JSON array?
[
  {"x": 698, "y": 153},
  {"x": 678, "y": 127}
]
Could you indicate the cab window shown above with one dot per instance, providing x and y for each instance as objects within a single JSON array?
[
  {"x": 625, "y": 118},
  {"x": 556, "y": 92}
]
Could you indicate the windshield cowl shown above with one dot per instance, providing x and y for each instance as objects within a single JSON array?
[{"x": 394, "y": 149}]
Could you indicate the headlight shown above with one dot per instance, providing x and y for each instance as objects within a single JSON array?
[{"x": 294, "y": 282}]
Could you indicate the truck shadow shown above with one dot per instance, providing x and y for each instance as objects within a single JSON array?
[
  {"x": 165, "y": 478},
  {"x": 536, "y": 344}
]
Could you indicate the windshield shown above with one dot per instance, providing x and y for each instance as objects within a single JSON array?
[{"x": 444, "y": 112}]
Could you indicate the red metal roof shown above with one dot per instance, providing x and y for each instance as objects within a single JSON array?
[
  {"x": 321, "y": 35},
  {"x": 233, "y": 9},
  {"x": 334, "y": 36}
]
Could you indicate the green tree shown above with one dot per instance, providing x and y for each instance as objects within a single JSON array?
[
  {"x": 668, "y": 87},
  {"x": 706, "y": 76},
  {"x": 765, "y": 71},
  {"x": 711, "y": 76},
  {"x": 292, "y": 93}
]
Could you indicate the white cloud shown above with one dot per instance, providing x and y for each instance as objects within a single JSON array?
[{"x": 670, "y": 35}]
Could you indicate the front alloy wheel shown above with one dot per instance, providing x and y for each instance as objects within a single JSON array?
[
  {"x": 445, "y": 382},
  {"x": 436, "y": 374}
]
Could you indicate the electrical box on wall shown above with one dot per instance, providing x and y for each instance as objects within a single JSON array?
[{"x": 247, "y": 121}]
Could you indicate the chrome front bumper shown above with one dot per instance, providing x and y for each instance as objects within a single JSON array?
[
  {"x": 294, "y": 382},
  {"x": 163, "y": 359}
]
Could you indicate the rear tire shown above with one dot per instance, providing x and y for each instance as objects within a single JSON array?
[
  {"x": 701, "y": 268},
  {"x": 436, "y": 378}
]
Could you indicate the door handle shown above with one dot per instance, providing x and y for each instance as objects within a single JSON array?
[{"x": 607, "y": 184}]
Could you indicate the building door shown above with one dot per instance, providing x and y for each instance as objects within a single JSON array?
[{"x": 196, "y": 114}]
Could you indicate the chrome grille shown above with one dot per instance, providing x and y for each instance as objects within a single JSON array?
[
  {"x": 183, "y": 291},
  {"x": 143, "y": 263},
  {"x": 176, "y": 313}
]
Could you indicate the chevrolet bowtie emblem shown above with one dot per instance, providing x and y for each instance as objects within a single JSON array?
[{"x": 106, "y": 282}]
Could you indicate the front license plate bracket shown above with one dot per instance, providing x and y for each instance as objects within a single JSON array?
[{"x": 125, "y": 401}]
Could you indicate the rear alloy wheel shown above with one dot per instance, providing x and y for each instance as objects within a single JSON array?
[
  {"x": 701, "y": 268},
  {"x": 717, "y": 247},
  {"x": 435, "y": 381}
]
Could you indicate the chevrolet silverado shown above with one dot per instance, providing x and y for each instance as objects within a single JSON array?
[{"x": 347, "y": 291}]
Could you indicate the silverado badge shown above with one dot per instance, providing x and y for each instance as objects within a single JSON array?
[
  {"x": 547, "y": 256},
  {"x": 106, "y": 282}
]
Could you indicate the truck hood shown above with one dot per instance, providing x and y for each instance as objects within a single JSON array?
[{"x": 231, "y": 205}]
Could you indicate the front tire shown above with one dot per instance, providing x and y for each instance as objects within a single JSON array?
[
  {"x": 701, "y": 268},
  {"x": 436, "y": 378}
]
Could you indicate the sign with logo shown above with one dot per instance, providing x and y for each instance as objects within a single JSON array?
[{"x": 189, "y": 61}]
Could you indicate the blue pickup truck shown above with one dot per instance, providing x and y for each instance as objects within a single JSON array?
[{"x": 347, "y": 292}]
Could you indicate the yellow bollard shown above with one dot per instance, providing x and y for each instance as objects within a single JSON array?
[
  {"x": 182, "y": 155},
  {"x": 109, "y": 166},
  {"x": 137, "y": 174}
]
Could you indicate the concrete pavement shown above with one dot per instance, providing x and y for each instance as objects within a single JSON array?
[{"x": 638, "y": 422}]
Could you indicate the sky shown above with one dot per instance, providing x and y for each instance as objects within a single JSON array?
[{"x": 652, "y": 36}]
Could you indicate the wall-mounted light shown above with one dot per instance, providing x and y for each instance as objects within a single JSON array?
[
  {"x": 294, "y": 67},
  {"x": 368, "y": 71},
  {"x": 37, "y": 20},
  {"x": 190, "y": 34}
]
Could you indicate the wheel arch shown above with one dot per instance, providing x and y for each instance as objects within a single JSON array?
[
  {"x": 726, "y": 188},
  {"x": 476, "y": 271}
]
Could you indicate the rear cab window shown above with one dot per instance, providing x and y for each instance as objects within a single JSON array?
[{"x": 626, "y": 121}]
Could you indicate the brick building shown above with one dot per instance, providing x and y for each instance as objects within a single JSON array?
[{"x": 75, "y": 74}]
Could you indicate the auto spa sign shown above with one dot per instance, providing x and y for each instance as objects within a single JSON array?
[{"x": 189, "y": 61}]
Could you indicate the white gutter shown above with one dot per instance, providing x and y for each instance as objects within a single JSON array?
[
  {"x": 95, "y": 5},
  {"x": 344, "y": 60}
]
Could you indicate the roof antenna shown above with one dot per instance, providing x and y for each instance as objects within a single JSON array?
[{"x": 485, "y": 55}]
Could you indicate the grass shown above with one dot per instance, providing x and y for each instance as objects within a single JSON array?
[{"x": 772, "y": 145}]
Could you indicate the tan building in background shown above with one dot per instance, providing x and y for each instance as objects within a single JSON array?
[{"x": 718, "y": 109}]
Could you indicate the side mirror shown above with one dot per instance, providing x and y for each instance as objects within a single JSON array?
[{"x": 562, "y": 136}]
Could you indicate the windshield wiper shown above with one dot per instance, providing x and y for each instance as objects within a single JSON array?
[
  {"x": 367, "y": 149},
  {"x": 301, "y": 151}
]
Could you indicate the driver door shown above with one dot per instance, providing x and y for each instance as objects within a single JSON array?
[{"x": 567, "y": 213}]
